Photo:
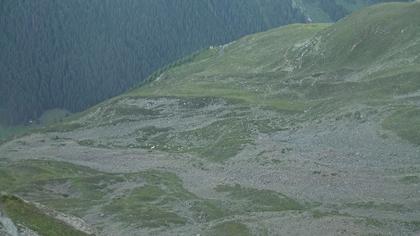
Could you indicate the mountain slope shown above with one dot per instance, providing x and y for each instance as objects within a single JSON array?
[
  {"x": 331, "y": 10},
  {"x": 34, "y": 217},
  {"x": 71, "y": 55},
  {"x": 305, "y": 128}
]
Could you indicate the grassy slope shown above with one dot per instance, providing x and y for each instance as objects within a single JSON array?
[
  {"x": 303, "y": 71},
  {"x": 368, "y": 58},
  {"x": 315, "y": 10},
  {"x": 238, "y": 71},
  {"x": 30, "y": 216},
  {"x": 149, "y": 199},
  {"x": 381, "y": 33}
]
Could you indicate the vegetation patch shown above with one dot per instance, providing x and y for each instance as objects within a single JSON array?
[
  {"x": 147, "y": 206},
  {"x": 149, "y": 134},
  {"x": 86, "y": 142},
  {"x": 251, "y": 200},
  {"x": 208, "y": 210},
  {"x": 216, "y": 142},
  {"x": 317, "y": 214},
  {"x": 231, "y": 228},
  {"x": 405, "y": 123},
  {"x": 220, "y": 140},
  {"x": 159, "y": 202},
  {"x": 145, "y": 199},
  {"x": 30, "y": 216},
  {"x": 68, "y": 188},
  {"x": 411, "y": 179}
]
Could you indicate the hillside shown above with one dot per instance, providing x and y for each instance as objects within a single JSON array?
[
  {"x": 332, "y": 10},
  {"x": 73, "y": 54},
  {"x": 30, "y": 217},
  {"x": 307, "y": 129}
]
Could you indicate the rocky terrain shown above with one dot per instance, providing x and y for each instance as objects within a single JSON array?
[{"x": 309, "y": 129}]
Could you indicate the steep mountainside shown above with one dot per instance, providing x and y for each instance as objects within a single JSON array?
[
  {"x": 308, "y": 129},
  {"x": 73, "y": 54},
  {"x": 332, "y": 10}
]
